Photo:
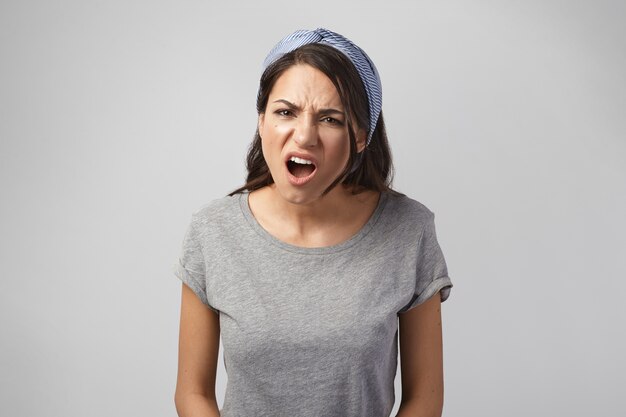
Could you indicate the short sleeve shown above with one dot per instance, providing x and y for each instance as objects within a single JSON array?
[
  {"x": 190, "y": 267},
  {"x": 432, "y": 271}
]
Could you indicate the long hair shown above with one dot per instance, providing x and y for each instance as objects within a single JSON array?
[{"x": 374, "y": 171}]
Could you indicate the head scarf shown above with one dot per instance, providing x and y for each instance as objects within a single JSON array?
[{"x": 364, "y": 65}]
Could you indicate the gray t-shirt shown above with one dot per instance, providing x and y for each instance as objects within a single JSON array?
[{"x": 311, "y": 332}]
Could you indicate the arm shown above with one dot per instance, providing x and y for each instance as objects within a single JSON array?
[
  {"x": 197, "y": 358},
  {"x": 421, "y": 360}
]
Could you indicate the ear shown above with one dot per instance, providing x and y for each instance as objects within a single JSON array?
[
  {"x": 361, "y": 137},
  {"x": 261, "y": 122}
]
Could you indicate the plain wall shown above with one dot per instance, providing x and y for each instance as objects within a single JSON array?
[{"x": 120, "y": 118}]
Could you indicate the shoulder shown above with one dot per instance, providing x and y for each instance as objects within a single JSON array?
[
  {"x": 403, "y": 219},
  {"x": 216, "y": 211},
  {"x": 407, "y": 209}
]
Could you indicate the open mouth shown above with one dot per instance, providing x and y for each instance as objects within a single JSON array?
[{"x": 300, "y": 168}]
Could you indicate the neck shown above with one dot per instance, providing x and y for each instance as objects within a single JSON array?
[
  {"x": 330, "y": 208},
  {"x": 323, "y": 221}
]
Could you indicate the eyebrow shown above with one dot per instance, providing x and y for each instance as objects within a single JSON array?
[{"x": 322, "y": 111}]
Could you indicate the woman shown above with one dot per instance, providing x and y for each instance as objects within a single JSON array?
[{"x": 309, "y": 269}]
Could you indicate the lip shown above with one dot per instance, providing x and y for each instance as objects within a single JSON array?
[
  {"x": 293, "y": 180},
  {"x": 302, "y": 156}
]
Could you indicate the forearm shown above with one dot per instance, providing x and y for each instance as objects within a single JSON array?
[
  {"x": 419, "y": 409},
  {"x": 196, "y": 405}
]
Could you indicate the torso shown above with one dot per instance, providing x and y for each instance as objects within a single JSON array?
[{"x": 312, "y": 331}]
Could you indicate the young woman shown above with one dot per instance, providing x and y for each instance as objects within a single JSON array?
[{"x": 309, "y": 270}]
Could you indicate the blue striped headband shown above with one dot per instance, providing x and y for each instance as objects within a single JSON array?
[{"x": 364, "y": 65}]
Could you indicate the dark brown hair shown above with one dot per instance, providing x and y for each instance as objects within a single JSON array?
[{"x": 375, "y": 168}]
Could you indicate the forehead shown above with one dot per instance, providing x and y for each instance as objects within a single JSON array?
[{"x": 305, "y": 84}]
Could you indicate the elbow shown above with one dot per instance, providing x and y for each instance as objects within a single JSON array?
[
  {"x": 194, "y": 404},
  {"x": 421, "y": 408}
]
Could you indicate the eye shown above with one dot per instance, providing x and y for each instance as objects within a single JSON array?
[
  {"x": 331, "y": 120},
  {"x": 284, "y": 112}
]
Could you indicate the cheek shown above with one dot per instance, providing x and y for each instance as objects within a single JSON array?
[
  {"x": 340, "y": 151},
  {"x": 273, "y": 133},
  {"x": 265, "y": 149},
  {"x": 277, "y": 130},
  {"x": 271, "y": 152}
]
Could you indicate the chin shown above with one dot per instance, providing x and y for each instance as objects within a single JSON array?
[{"x": 299, "y": 196}]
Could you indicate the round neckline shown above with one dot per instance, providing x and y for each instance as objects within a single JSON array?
[{"x": 362, "y": 232}]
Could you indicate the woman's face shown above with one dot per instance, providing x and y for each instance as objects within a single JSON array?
[{"x": 304, "y": 135}]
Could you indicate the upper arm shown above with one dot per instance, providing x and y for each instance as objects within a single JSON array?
[
  {"x": 198, "y": 346},
  {"x": 421, "y": 354}
]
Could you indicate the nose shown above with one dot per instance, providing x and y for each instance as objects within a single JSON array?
[{"x": 305, "y": 134}]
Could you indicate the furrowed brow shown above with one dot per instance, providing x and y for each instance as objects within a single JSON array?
[
  {"x": 288, "y": 104},
  {"x": 322, "y": 111},
  {"x": 331, "y": 111}
]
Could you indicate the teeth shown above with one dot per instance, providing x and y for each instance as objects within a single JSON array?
[{"x": 300, "y": 160}]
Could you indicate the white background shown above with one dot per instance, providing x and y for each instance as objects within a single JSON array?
[{"x": 120, "y": 118}]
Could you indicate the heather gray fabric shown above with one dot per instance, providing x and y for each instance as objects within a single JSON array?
[{"x": 311, "y": 332}]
